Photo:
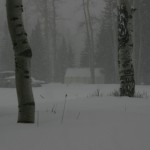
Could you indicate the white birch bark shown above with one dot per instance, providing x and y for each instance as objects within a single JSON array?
[
  {"x": 23, "y": 56},
  {"x": 125, "y": 48}
]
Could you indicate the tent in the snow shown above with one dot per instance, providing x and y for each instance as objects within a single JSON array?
[{"x": 82, "y": 75}]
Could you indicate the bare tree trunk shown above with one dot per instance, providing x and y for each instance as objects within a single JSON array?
[
  {"x": 134, "y": 24},
  {"x": 115, "y": 44},
  {"x": 47, "y": 36},
  {"x": 125, "y": 49},
  {"x": 139, "y": 70},
  {"x": 23, "y": 56},
  {"x": 90, "y": 38},
  {"x": 54, "y": 34},
  {"x": 92, "y": 44}
]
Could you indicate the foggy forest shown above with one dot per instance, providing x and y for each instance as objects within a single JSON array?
[{"x": 74, "y": 74}]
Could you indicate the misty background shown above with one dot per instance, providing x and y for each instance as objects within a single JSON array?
[{"x": 71, "y": 40}]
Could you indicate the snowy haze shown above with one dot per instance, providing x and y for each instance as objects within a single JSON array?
[
  {"x": 71, "y": 33},
  {"x": 71, "y": 113},
  {"x": 72, "y": 11},
  {"x": 70, "y": 14}
]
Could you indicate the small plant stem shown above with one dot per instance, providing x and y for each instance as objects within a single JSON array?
[
  {"x": 78, "y": 115},
  {"x": 64, "y": 109},
  {"x": 38, "y": 118}
]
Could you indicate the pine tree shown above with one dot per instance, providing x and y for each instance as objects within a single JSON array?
[
  {"x": 40, "y": 55},
  {"x": 70, "y": 57},
  {"x": 6, "y": 56},
  {"x": 106, "y": 49},
  {"x": 104, "y": 54},
  {"x": 143, "y": 42},
  {"x": 84, "y": 56},
  {"x": 62, "y": 61}
]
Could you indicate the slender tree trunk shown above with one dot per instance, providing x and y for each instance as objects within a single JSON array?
[
  {"x": 23, "y": 56},
  {"x": 115, "y": 44},
  {"x": 125, "y": 49},
  {"x": 92, "y": 44},
  {"x": 134, "y": 42},
  {"x": 139, "y": 70},
  {"x": 47, "y": 36},
  {"x": 89, "y": 37},
  {"x": 54, "y": 34}
]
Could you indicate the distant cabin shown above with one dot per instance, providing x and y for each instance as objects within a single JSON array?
[{"x": 83, "y": 75}]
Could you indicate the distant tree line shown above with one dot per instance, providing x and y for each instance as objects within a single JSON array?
[
  {"x": 106, "y": 56},
  {"x": 41, "y": 41},
  {"x": 105, "y": 43}
]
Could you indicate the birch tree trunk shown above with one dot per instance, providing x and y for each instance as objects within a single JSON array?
[
  {"x": 125, "y": 49},
  {"x": 23, "y": 56}
]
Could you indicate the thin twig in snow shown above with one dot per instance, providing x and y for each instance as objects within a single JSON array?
[
  {"x": 42, "y": 96},
  {"x": 64, "y": 109},
  {"x": 78, "y": 115},
  {"x": 38, "y": 118}
]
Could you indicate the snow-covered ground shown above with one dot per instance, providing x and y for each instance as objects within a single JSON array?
[{"x": 89, "y": 122}]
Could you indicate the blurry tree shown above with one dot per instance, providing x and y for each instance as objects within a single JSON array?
[
  {"x": 48, "y": 10},
  {"x": 106, "y": 53},
  {"x": 90, "y": 37},
  {"x": 40, "y": 55},
  {"x": 6, "y": 56},
  {"x": 62, "y": 65},
  {"x": 65, "y": 59},
  {"x": 143, "y": 55},
  {"x": 45, "y": 9},
  {"x": 70, "y": 57},
  {"x": 41, "y": 14},
  {"x": 84, "y": 57},
  {"x": 54, "y": 42}
]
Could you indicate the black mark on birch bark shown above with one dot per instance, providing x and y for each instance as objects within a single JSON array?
[{"x": 26, "y": 53}]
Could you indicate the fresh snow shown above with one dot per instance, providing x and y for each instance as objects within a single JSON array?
[{"x": 89, "y": 122}]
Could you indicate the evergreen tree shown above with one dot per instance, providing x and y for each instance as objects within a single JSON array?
[
  {"x": 104, "y": 54},
  {"x": 70, "y": 57},
  {"x": 6, "y": 56},
  {"x": 41, "y": 60},
  {"x": 144, "y": 40},
  {"x": 106, "y": 50},
  {"x": 84, "y": 57},
  {"x": 61, "y": 61}
]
